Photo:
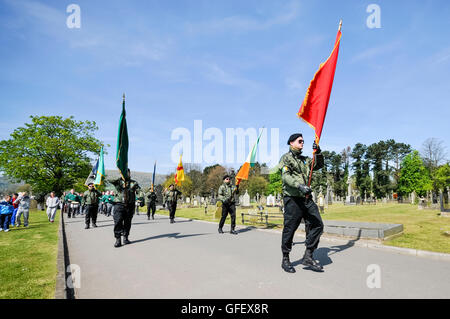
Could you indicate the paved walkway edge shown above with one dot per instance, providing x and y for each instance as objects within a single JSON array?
[
  {"x": 356, "y": 242},
  {"x": 62, "y": 291}
]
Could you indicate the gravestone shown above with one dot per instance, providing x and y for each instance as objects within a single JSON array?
[
  {"x": 195, "y": 203},
  {"x": 188, "y": 200},
  {"x": 257, "y": 198},
  {"x": 246, "y": 199},
  {"x": 422, "y": 203},
  {"x": 321, "y": 203},
  {"x": 263, "y": 200},
  {"x": 270, "y": 200},
  {"x": 241, "y": 199}
]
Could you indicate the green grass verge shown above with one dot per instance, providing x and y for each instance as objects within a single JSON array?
[
  {"x": 422, "y": 229},
  {"x": 28, "y": 259}
]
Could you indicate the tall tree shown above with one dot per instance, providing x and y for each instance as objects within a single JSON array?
[
  {"x": 50, "y": 153},
  {"x": 414, "y": 176},
  {"x": 433, "y": 153}
]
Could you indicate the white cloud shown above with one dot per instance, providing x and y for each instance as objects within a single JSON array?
[{"x": 244, "y": 23}]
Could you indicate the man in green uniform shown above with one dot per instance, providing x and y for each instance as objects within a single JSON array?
[
  {"x": 73, "y": 201},
  {"x": 109, "y": 198},
  {"x": 151, "y": 204},
  {"x": 226, "y": 196},
  {"x": 298, "y": 204},
  {"x": 123, "y": 207},
  {"x": 91, "y": 198},
  {"x": 171, "y": 198}
]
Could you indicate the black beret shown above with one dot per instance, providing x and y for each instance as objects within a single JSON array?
[
  {"x": 226, "y": 176},
  {"x": 293, "y": 137}
]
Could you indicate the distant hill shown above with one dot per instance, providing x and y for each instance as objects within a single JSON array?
[{"x": 144, "y": 179}]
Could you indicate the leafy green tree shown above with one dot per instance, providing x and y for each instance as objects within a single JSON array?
[
  {"x": 275, "y": 185},
  {"x": 257, "y": 184},
  {"x": 414, "y": 176},
  {"x": 50, "y": 153},
  {"x": 186, "y": 185},
  {"x": 441, "y": 177}
]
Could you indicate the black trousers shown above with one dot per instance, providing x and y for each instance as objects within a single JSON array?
[
  {"x": 123, "y": 214},
  {"x": 231, "y": 209},
  {"x": 151, "y": 208},
  {"x": 172, "y": 209},
  {"x": 296, "y": 208},
  {"x": 91, "y": 212}
]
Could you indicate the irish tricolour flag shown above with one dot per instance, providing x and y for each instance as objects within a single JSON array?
[{"x": 250, "y": 162}]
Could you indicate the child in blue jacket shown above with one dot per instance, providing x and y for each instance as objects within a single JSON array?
[{"x": 6, "y": 211}]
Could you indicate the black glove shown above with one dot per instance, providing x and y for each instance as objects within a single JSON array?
[
  {"x": 316, "y": 147},
  {"x": 305, "y": 190}
]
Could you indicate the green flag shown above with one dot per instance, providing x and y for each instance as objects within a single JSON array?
[
  {"x": 122, "y": 143},
  {"x": 100, "y": 170}
]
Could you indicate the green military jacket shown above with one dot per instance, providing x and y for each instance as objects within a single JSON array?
[
  {"x": 109, "y": 199},
  {"x": 225, "y": 192},
  {"x": 152, "y": 198},
  {"x": 72, "y": 198},
  {"x": 125, "y": 191},
  {"x": 91, "y": 197},
  {"x": 171, "y": 196},
  {"x": 295, "y": 170}
]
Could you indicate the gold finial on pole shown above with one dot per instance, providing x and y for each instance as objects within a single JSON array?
[
  {"x": 340, "y": 25},
  {"x": 124, "y": 96}
]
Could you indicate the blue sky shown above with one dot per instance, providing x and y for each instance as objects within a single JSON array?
[{"x": 231, "y": 64}]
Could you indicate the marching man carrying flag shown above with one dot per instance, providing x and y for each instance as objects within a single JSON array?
[
  {"x": 227, "y": 191},
  {"x": 171, "y": 196},
  {"x": 295, "y": 167}
]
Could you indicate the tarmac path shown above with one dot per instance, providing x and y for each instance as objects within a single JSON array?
[{"x": 190, "y": 260}]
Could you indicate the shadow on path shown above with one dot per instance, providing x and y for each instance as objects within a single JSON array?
[
  {"x": 246, "y": 229},
  {"x": 170, "y": 235},
  {"x": 322, "y": 254}
]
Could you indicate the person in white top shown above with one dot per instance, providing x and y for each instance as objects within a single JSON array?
[
  {"x": 52, "y": 205},
  {"x": 24, "y": 208}
]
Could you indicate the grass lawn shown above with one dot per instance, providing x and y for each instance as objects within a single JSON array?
[
  {"x": 422, "y": 229},
  {"x": 28, "y": 259}
]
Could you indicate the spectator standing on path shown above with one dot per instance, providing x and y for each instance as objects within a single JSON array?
[
  {"x": 91, "y": 199},
  {"x": 6, "y": 211},
  {"x": 24, "y": 208},
  {"x": 298, "y": 203},
  {"x": 171, "y": 198},
  {"x": 52, "y": 205},
  {"x": 226, "y": 196}
]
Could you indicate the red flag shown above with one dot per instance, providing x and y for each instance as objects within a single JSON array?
[{"x": 315, "y": 104}]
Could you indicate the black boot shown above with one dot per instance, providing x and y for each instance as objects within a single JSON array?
[
  {"x": 87, "y": 226},
  {"x": 94, "y": 225},
  {"x": 126, "y": 241},
  {"x": 309, "y": 261},
  {"x": 286, "y": 265},
  {"x": 118, "y": 242},
  {"x": 220, "y": 231},
  {"x": 233, "y": 232}
]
